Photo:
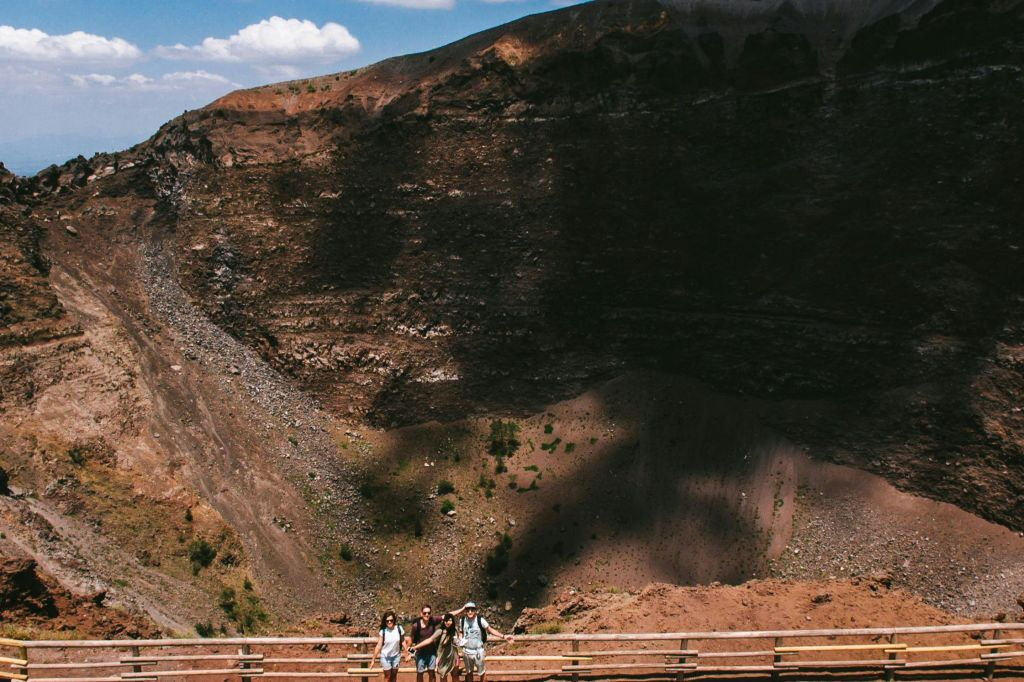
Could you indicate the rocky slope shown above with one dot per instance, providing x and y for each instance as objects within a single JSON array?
[{"x": 810, "y": 209}]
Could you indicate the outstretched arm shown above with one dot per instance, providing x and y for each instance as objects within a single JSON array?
[
  {"x": 427, "y": 641},
  {"x": 458, "y": 612},
  {"x": 507, "y": 638}
]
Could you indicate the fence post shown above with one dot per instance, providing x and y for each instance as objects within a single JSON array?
[
  {"x": 245, "y": 650},
  {"x": 575, "y": 645},
  {"x": 136, "y": 653},
  {"x": 990, "y": 668},
  {"x": 684, "y": 644},
  {"x": 776, "y": 660},
  {"x": 363, "y": 663},
  {"x": 890, "y": 673},
  {"x": 23, "y": 655}
]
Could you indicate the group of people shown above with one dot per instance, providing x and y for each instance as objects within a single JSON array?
[{"x": 437, "y": 644}]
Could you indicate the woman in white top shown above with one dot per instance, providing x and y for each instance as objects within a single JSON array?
[{"x": 389, "y": 646}]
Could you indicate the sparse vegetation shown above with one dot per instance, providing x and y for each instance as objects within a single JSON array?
[
  {"x": 204, "y": 629},
  {"x": 246, "y": 612},
  {"x": 550, "y": 627},
  {"x": 200, "y": 554},
  {"x": 310, "y": 87},
  {"x": 445, "y": 487},
  {"x": 499, "y": 466},
  {"x": 188, "y": 515},
  {"x": 532, "y": 467},
  {"x": 346, "y": 553},
  {"x": 569, "y": 447},
  {"x": 247, "y": 585},
  {"x": 504, "y": 438},
  {"x": 549, "y": 428},
  {"x": 447, "y": 506}
]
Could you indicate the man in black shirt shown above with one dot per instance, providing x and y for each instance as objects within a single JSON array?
[{"x": 422, "y": 629}]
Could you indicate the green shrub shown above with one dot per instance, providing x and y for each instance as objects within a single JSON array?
[
  {"x": 445, "y": 487},
  {"x": 569, "y": 447},
  {"x": 77, "y": 455},
  {"x": 247, "y": 585},
  {"x": 552, "y": 446},
  {"x": 504, "y": 439},
  {"x": 548, "y": 428},
  {"x": 247, "y": 613},
  {"x": 447, "y": 506},
  {"x": 201, "y": 554},
  {"x": 346, "y": 553},
  {"x": 188, "y": 515},
  {"x": 204, "y": 629}
]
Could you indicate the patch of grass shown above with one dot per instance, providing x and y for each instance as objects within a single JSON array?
[
  {"x": 204, "y": 629},
  {"x": 532, "y": 467},
  {"x": 569, "y": 447},
  {"x": 188, "y": 515},
  {"x": 200, "y": 554},
  {"x": 120, "y": 582},
  {"x": 247, "y": 585},
  {"x": 550, "y": 627},
  {"x": 445, "y": 487},
  {"x": 499, "y": 466},
  {"x": 294, "y": 441},
  {"x": 549, "y": 428},
  {"x": 533, "y": 486},
  {"x": 447, "y": 506},
  {"x": 504, "y": 438}
]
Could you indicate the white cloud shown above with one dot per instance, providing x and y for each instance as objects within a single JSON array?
[
  {"x": 21, "y": 44},
  {"x": 416, "y": 4},
  {"x": 178, "y": 80},
  {"x": 273, "y": 40}
]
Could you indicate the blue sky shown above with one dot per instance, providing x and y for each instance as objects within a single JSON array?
[{"x": 81, "y": 76}]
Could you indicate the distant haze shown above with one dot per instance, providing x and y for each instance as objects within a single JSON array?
[{"x": 30, "y": 155}]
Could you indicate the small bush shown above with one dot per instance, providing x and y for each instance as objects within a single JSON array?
[
  {"x": 548, "y": 428},
  {"x": 310, "y": 87},
  {"x": 552, "y": 446},
  {"x": 504, "y": 438},
  {"x": 346, "y": 553},
  {"x": 569, "y": 447},
  {"x": 77, "y": 455},
  {"x": 245, "y": 612},
  {"x": 188, "y": 515},
  {"x": 532, "y": 467},
  {"x": 247, "y": 585},
  {"x": 201, "y": 554},
  {"x": 444, "y": 487},
  {"x": 547, "y": 628},
  {"x": 447, "y": 506},
  {"x": 204, "y": 629},
  {"x": 499, "y": 466}
]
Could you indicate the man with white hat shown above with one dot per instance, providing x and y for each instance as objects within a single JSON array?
[{"x": 474, "y": 636}]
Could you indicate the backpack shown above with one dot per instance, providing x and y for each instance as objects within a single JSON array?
[{"x": 483, "y": 630}]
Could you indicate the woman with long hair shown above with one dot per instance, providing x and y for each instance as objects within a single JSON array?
[
  {"x": 447, "y": 654},
  {"x": 389, "y": 646}
]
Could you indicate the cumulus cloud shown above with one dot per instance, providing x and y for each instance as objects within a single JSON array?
[
  {"x": 22, "y": 44},
  {"x": 177, "y": 80},
  {"x": 273, "y": 40},
  {"x": 416, "y": 4}
]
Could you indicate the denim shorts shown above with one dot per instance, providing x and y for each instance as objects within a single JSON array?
[
  {"x": 389, "y": 662},
  {"x": 426, "y": 661}
]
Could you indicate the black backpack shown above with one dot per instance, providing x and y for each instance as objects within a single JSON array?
[{"x": 483, "y": 630}]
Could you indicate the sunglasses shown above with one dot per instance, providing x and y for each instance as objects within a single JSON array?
[
  {"x": 389, "y": 620},
  {"x": 426, "y": 613}
]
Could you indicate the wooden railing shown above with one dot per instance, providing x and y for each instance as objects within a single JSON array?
[{"x": 973, "y": 650}]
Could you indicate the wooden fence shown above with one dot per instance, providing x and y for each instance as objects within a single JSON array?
[{"x": 950, "y": 651}]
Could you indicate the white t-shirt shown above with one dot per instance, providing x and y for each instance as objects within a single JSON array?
[
  {"x": 392, "y": 641},
  {"x": 472, "y": 632}
]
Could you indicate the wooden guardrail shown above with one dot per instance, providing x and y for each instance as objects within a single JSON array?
[{"x": 970, "y": 650}]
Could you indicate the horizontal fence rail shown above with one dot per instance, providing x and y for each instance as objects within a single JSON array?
[{"x": 962, "y": 651}]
